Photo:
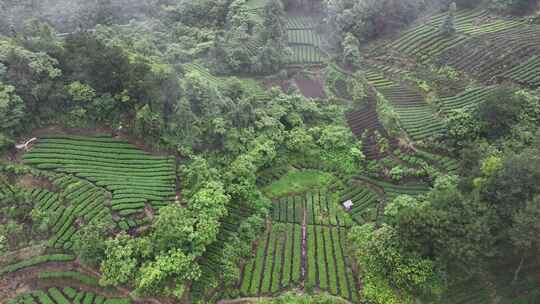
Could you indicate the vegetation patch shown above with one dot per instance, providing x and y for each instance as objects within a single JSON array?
[{"x": 298, "y": 181}]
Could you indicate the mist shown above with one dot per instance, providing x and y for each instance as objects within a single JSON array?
[{"x": 70, "y": 15}]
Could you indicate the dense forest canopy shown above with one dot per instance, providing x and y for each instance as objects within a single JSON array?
[{"x": 301, "y": 151}]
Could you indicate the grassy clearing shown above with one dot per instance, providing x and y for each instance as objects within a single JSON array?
[{"x": 298, "y": 182}]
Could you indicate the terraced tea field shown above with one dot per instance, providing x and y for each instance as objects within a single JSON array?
[
  {"x": 365, "y": 125},
  {"x": 416, "y": 116},
  {"x": 45, "y": 274},
  {"x": 427, "y": 42},
  {"x": 468, "y": 100},
  {"x": 303, "y": 246},
  {"x": 366, "y": 202},
  {"x": 485, "y": 46},
  {"x": 96, "y": 176},
  {"x": 319, "y": 209},
  {"x": 304, "y": 41},
  {"x": 66, "y": 295}
]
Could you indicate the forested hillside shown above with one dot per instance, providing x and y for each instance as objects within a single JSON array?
[{"x": 270, "y": 151}]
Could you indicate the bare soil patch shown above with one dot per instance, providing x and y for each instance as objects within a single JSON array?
[
  {"x": 284, "y": 85},
  {"x": 310, "y": 87}
]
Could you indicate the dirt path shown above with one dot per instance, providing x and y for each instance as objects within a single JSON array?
[
  {"x": 304, "y": 244},
  {"x": 22, "y": 254},
  {"x": 243, "y": 300}
]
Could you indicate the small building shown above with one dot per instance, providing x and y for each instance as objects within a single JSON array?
[{"x": 348, "y": 205}]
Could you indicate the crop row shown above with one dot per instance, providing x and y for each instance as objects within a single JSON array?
[
  {"x": 416, "y": 116},
  {"x": 496, "y": 54},
  {"x": 466, "y": 100},
  {"x": 300, "y": 22},
  {"x": 527, "y": 73},
  {"x": 441, "y": 162},
  {"x": 277, "y": 263},
  {"x": 67, "y": 295},
  {"x": 304, "y": 36},
  {"x": 79, "y": 200},
  {"x": 111, "y": 147},
  {"x": 327, "y": 268},
  {"x": 378, "y": 80},
  {"x": 391, "y": 191},
  {"x": 129, "y": 175},
  {"x": 202, "y": 71},
  {"x": 36, "y": 261},
  {"x": 365, "y": 202},
  {"x": 79, "y": 151},
  {"x": 306, "y": 54},
  {"x": 427, "y": 42},
  {"x": 320, "y": 208},
  {"x": 69, "y": 275}
]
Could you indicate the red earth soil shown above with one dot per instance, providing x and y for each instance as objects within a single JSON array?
[
  {"x": 282, "y": 84},
  {"x": 311, "y": 88}
]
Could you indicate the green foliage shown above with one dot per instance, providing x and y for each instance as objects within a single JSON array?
[
  {"x": 81, "y": 92},
  {"x": 71, "y": 275},
  {"x": 392, "y": 274},
  {"x": 524, "y": 231},
  {"x": 167, "y": 274},
  {"x": 297, "y": 298},
  {"x": 462, "y": 127},
  {"x": 36, "y": 261},
  {"x": 121, "y": 260},
  {"x": 509, "y": 188},
  {"x": 298, "y": 182},
  {"x": 351, "y": 51},
  {"x": 499, "y": 113},
  {"x": 368, "y": 19},
  {"x": 388, "y": 116},
  {"x": 512, "y": 6},
  {"x": 89, "y": 242},
  {"x": 448, "y": 27},
  {"x": 11, "y": 109}
]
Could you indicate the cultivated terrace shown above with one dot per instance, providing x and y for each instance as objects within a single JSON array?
[{"x": 270, "y": 151}]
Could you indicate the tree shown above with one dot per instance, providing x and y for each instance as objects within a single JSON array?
[
  {"x": 524, "y": 232},
  {"x": 208, "y": 207},
  {"x": 448, "y": 27},
  {"x": 80, "y": 92},
  {"x": 34, "y": 75},
  {"x": 351, "y": 51},
  {"x": 512, "y": 6},
  {"x": 11, "y": 109},
  {"x": 121, "y": 260},
  {"x": 391, "y": 273},
  {"x": 274, "y": 37},
  {"x": 90, "y": 241},
  {"x": 167, "y": 274},
  {"x": 510, "y": 187},
  {"x": 369, "y": 19},
  {"x": 446, "y": 226},
  {"x": 501, "y": 110},
  {"x": 148, "y": 124},
  {"x": 463, "y": 128},
  {"x": 174, "y": 228}
]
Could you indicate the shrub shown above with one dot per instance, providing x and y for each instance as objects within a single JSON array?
[{"x": 512, "y": 6}]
